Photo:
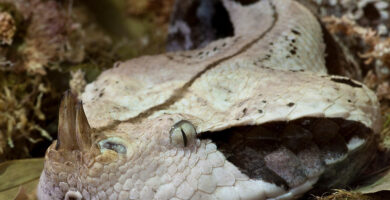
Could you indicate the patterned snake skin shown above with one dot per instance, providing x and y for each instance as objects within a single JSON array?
[{"x": 253, "y": 115}]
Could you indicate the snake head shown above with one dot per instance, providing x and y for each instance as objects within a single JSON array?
[
  {"x": 78, "y": 154},
  {"x": 157, "y": 158},
  {"x": 120, "y": 162}
]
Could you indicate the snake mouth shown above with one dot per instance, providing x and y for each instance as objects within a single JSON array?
[{"x": 290, "y": 154}]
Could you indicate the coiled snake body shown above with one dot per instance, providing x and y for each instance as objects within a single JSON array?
[{"x": 252, "y": 116}]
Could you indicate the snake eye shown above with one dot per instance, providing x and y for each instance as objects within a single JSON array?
[
  {"x": 114, "y": 144},
  {"x": 182, "y": 133}
]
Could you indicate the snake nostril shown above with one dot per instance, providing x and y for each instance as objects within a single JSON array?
[{"x": 73, "y": 195}]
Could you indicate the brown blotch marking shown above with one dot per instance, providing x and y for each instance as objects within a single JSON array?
[
  {"x": 291, "y": 104},
  {"x": 170, "y": 57},
  {"x": 295, "y": 32},
  {"x": 347, "y": 81},
  {"x": 244, "y": 111}
]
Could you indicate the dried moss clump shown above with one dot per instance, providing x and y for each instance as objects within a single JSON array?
[
  {"x": 44, "y": 36},
  {"x": 7, "y": 28},
  {"x": 77, "y": 82},
  {"x": 345, "y": 195},
  {"x": 42, "y": 42},
  {"x": 374, "y": 52},
  {"x": 161, "y": 9},
  {"x": 20, "y": 114}
]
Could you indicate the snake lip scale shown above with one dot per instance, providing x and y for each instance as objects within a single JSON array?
[{"x": 251, "y": 116}]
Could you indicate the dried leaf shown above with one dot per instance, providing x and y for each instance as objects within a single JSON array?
[
  {"x": 7, "y": 28},
  {"x": 16, "y": 173},
  {"x": 22, "y": 194},
  {"x": 345, "y": 195},
  {"x": 382, "y": 184}
]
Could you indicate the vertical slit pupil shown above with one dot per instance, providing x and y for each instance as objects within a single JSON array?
[{"x": 184, "y": 137}]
